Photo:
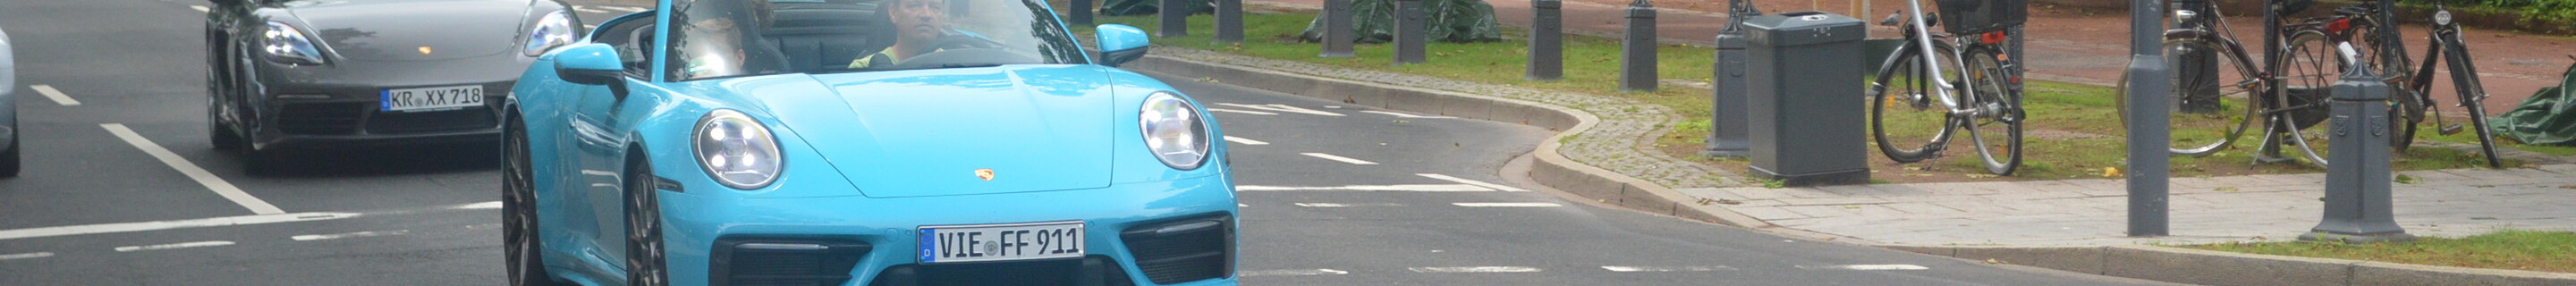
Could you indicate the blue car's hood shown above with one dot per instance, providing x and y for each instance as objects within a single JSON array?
[{"x": 929, "y": 132}]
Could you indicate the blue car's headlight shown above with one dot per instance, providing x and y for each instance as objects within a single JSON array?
[
  {"x": 287, "y": 45},
  {"x": 1174, "y": 131},
  {"x": 553, "y": 30},
  {"x": 736, "y": 151}
]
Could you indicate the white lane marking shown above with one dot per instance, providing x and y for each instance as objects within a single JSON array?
[
  {"x": 200, "y": 8},
  {"x": 54, "y": 94},
  {"x": 1869, "y": 267},
  {"x": 1245, "y": 141},
  {"x": 226, "y": 189},
  {"x": 1373, "y": 188},
  {"x": 593, "y": 10},
  {"x": 211, "y": 243},
  {"x": 26, "y": 255},
  {"x": 1242, "y": 205},
  {"x": 1292, "y": 272},
  {"x": 311, "y": 237},
  {"x": 478, "y": 206},
  {"x": 168, "y": 224},
  {"x": 1349, "y": 205},
  {"x": 1241, "y": 111},
  {"x": 1508, "y": 205},
  {"x": 1339, "y": 158},
  {"x": 610, "y": 174},
  {"x": 624, "y": 8},
  {"x": 1281, "y": 108},
  {"x": 1406, "y": 115},
  {"x": 1472, "y": 182},
  {"x": 1474, "y": 269},
  {"x": 1665, "y": 269}
]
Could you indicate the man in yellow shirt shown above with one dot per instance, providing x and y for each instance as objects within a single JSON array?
[{"x": 916, "y": 24}]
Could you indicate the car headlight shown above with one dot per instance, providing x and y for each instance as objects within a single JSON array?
[
  {"x": 553, "y": 30},
  {"x": 1174, "y": 131},
  {"x": 285, "y": 44},
  {"x": 736, "y": 151}
]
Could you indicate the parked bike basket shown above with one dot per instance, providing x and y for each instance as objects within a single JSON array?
[{"x": 1963, "y": 17}]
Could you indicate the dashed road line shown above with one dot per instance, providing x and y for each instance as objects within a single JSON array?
[
  {"x": 1241, "y": 111},
  {"x": 31, "y": 255},
  {"x": 1292, "y": 272},
  {"x": 1349, "y": 205},
  {"x": 1508, "y": 205},
  {"x": 1666, "y": 269},
  {"x": 225, "y": 189},
  {"x": 1245, "y": 141},
  {"x": 1474, "y": 269},
  {"x": 593, "y": 10},
  {"x": 624, "y": 8},
  {"x": 1339, "y": 158},
  {"x": 200, "y": 8},
  {"x": 1407, "y": 115},
  {"x": 1472, "y": 182},
  {"x": 312, "y": 237},
  {"x": 1370, "y": 188},
  {"x": 211, "y": 243},
  {"x": 1281, "y": 108},
  {"x": 54, "y": 94},
  {"x": 1869, "y": 267},
  {"x": 168, "y": 224},
  {"x": 478, "y": 206}
]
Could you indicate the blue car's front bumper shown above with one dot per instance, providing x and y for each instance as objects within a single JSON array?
[{"x": 877, "y": 238}]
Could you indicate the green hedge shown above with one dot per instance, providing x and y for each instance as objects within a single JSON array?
[{"x": 2533, "y": 10}]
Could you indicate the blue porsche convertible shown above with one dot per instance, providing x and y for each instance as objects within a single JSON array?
[{"x": 859, "y": 142}]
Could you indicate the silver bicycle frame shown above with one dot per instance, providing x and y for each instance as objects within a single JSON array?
[{"x": 1923, "y": 40}]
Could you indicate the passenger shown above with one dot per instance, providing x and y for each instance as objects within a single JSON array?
[
  {"x": 917, "y": 24},
  {"x": 723, "y": 38}
]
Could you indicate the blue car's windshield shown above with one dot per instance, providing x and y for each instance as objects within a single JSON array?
[{"x": 730, "y": 38}]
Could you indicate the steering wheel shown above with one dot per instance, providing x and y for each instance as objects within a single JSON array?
[{"x": 962, "y": 50}]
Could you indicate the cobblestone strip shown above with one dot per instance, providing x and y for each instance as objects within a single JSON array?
[{"x": 1620, "y": 142}]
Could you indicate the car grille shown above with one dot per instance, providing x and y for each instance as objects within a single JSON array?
[
  {"x": 1183, "y": 251},
  {"x": 321, "y": 118},
  {"x": 432, "y": 121},
  {"x": 784, "y": 261}
]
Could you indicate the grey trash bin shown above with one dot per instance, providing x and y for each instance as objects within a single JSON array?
[{"x": 1806, "y": 99}]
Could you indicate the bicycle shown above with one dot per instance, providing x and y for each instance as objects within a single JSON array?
[
  {"x": 2388, "y": 51},
  {"x": 1933, "y": 93},
  {"x": 2218, "y": 99}
]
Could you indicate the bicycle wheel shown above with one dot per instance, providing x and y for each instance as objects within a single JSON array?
[
  {"x": 2464, "y": 77},
  {"x": 1904, "y": 117},
  {"x": 2225, "y": 85},
  {"x": 2388, "y": 52},
  {"x": 2309, "y": 69},
  {"x": 1996, "y": 127}
]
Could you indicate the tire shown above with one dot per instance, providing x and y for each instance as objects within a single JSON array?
[
  {"x": 2310, "y": 67},
  {"x": 523, "y": 247},
  {"x": 9, "y": 160},
  {"x": 645, "y": 263},
  {"x": 1906, "y": 121},
  {"x": 2464, "y": 76},
  {"x": 2202, "y": 133},
  {"x": 219, "y": 83},
  {"x": 223, "y": 137},
  {"x": 1996, "y": 131}
]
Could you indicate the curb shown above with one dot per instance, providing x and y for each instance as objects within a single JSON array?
[
  {"x": 1551, "y": 168},
  {"x": 2180, "y": 265}
]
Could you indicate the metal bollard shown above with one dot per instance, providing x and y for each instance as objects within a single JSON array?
[
  {"x": 1229, "y": 21},
  {"x": 1727, "y": 136},
  {"x": 1546, "y": 41},
  {"x": 1637, "y": 59},
  {"x": 1079, "y": 13},
  {"x": 2149, "y": 163},
  {"x": 1337, "y": 29},
  {"x": 1176, "y": 18},
  {"x": 2357, "y": 195},
  {"x": 1409, "y": 32}
]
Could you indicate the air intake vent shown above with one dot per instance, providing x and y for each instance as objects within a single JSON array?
[
  {"x": 324, "y": 118},
  {"x": 784, "y": 261},
  {"x": 1183, "y": 251}
]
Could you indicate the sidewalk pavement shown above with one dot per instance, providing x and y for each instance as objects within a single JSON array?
[
  {"x": 2093, "y": 212},
  {"x": 2065, "y": 45}
]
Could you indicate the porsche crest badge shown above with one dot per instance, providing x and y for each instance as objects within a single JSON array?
[
  {"x": 986, "y": 174},
  {"x": 424, "y": 50}
]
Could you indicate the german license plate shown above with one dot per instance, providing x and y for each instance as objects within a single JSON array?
[
  {"x": 432, "y": 98},
  {"x": 1001, "y": 242}
]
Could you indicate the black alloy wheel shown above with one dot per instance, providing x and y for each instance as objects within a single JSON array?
[
  {"x": 644, "y": 256},
  {"x": 526, "y": 257}
]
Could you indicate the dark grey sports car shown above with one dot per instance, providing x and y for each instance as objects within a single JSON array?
[{"x": 301, "y": 74}]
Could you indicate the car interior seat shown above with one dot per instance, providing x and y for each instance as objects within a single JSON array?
[{"x": 819, "y": 36}]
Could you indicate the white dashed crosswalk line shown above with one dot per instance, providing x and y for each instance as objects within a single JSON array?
[
  {"x": 1339, "y": 158},
  {"x": 1245, "y": 141},
  {"x": 1292, "y": 272},
  {"x": 1281, "y": 108},
  {"x": 1407, "y": 115},
  {"x": 1498, "y": 187},
  {"x": 212, "y": 243},
  {"x": 1349, "y": 205},
  {"x": 55, "y": 94},
  {"x": 1368, "y": 188},
  {"x": 1241, "y": 111},
  {"x": 1508, "y": 205},
  {"x": 1474, "y": 269},
  {"x": 312, "y": 237},
  {"x": 31, "y": 255},
  {"x": 1666, "y": 268},
  {"x": 199, "y": 8},
  {"x": 1868, "y": 267}
]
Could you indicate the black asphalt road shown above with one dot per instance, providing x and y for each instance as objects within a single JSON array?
[{"x": 1430, "y": 208}]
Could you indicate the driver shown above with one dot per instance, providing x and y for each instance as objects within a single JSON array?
[{"x": 917, "y": 25}]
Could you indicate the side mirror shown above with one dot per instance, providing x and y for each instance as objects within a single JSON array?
[
  {"x": 588, "y": 63},
  {"x": 1120, "y": 44}
]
